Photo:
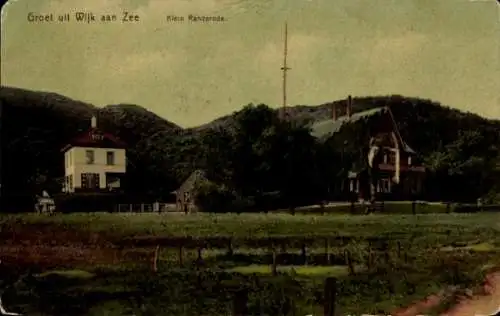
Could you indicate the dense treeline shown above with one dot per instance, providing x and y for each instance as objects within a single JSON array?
[{"x": 253, "y": 159}]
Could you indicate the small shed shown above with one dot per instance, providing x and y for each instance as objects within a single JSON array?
[{"x": 186, "y": 193}]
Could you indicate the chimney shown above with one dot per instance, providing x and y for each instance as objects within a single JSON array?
[
  {"x": 348, "y": 109},
  {"x": 93, "y": 122},
  {"x": 334, "y": 112}
]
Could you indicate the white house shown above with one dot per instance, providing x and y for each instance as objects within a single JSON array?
[{"x": 94, "y": 162}]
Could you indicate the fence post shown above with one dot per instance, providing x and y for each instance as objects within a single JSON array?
[
  {"x": 385, "y": 247},
  {"x": 240, "y": 303},
  {"x": 348, "y": 260},
  {"x": 274, "y": 269},
  {"x": 327, "y": 250},
  {"x": 286, "y": 306},
  {"x": 155, "y": 259},
  {"x": 304, "y": 254},
  {"x": 330, "y": 294},
  {"x": 230, "y": 251},
  {"x": 369, "y": 260},
  {"x": 180, "y": 255},
  {"x": 199, "y": 260}
]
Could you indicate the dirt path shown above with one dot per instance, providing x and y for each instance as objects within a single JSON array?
[{"x": 486, "y": 302}]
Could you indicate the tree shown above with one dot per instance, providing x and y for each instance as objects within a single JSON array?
[
  {"x": 246, "y": 160},
  {"x": 211, "y": 197},
  {"x": 463, "y": 170}
]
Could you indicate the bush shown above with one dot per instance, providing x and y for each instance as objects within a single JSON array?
[
  {"x": 420, "y": 208},
  {"x": 212, "y": 197},
  {"x": 85, "y": 202},
  {"x": 465, "y": 208},
  {"x": 388, "y": 208}
]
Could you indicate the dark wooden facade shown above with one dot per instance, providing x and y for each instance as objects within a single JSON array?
[{"x": 395, "y": 173}]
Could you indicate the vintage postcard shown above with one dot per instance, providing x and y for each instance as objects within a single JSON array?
[{"x": 250, "y": 157}]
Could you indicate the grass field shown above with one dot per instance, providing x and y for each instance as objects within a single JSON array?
[
  {"x": 254, "y": 225},
  {"x": 84, "y": 270}
]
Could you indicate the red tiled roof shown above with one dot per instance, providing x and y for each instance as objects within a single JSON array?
[{"x": 95, "y": 138}]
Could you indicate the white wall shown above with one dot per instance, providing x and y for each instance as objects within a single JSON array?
[{"x": 76, "y": 163}]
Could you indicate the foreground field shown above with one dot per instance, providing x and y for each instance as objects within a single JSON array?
[
  {"x": 381, "y": 262},
  {"x": 255, "y": 225}
]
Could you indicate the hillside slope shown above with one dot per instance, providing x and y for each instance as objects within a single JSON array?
[
  {"x": 36, "y": 125},
  {"x": 440, "y": 124}
]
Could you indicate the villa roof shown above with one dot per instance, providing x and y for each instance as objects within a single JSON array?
[
  {"x": 324, "y": 130},
  {"x": 95, "y": 138}
]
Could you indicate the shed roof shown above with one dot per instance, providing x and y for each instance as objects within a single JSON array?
[{"x": 195, "y": 177}]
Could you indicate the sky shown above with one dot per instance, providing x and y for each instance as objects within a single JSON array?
[{"x": 193, "y": 72}]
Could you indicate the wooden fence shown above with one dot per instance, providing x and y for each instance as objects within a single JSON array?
[
  {"x": 387, "y": 207},
  {"x": 379, "y": 249},
  {"x": 146, "y": 208}
]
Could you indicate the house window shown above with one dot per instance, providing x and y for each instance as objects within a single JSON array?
[
  {"x": 385, "y": 185},
  {"x": 89, "y": 155},
  {"x": 112, "y": 181},
  {"x": 392, "y": 158},
  {"x": 90, "y": 180},
  {"x": 409, "y": 161},
  {"x": 385, "y": 158},
  {"x": 110, "y": 158}
]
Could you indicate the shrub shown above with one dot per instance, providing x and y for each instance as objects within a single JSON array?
[
  {"x": 211, "y": 197},
  {"x": 465, "y": 208},
  {"x": 216, "y": 198}
]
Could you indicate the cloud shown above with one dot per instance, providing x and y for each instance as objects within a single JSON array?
[
  {"x": 194, "y": 72},
  {"x": 391, "y": 52},
  {"x": 301, "y": 47},
  {"x": 183, "y": 7},
  {"x": 98, "y": 6},
  {"x": 118, "y": 65}
]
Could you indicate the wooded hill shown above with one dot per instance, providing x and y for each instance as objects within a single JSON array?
[{"x": 246, "y": 153}]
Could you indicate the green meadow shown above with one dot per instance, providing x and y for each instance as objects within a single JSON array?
[{"x": 104, "y": 264}]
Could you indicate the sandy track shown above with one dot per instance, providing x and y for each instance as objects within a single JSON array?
[{"x": 486, "y": 302}]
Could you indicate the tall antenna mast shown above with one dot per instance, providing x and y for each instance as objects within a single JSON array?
[{"x": 285, "y": 69}]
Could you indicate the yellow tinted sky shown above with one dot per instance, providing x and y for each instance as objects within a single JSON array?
[{"x": 191, "y": 73}]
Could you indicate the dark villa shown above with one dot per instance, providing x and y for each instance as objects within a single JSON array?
[{"x": 399, "y": 173}]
